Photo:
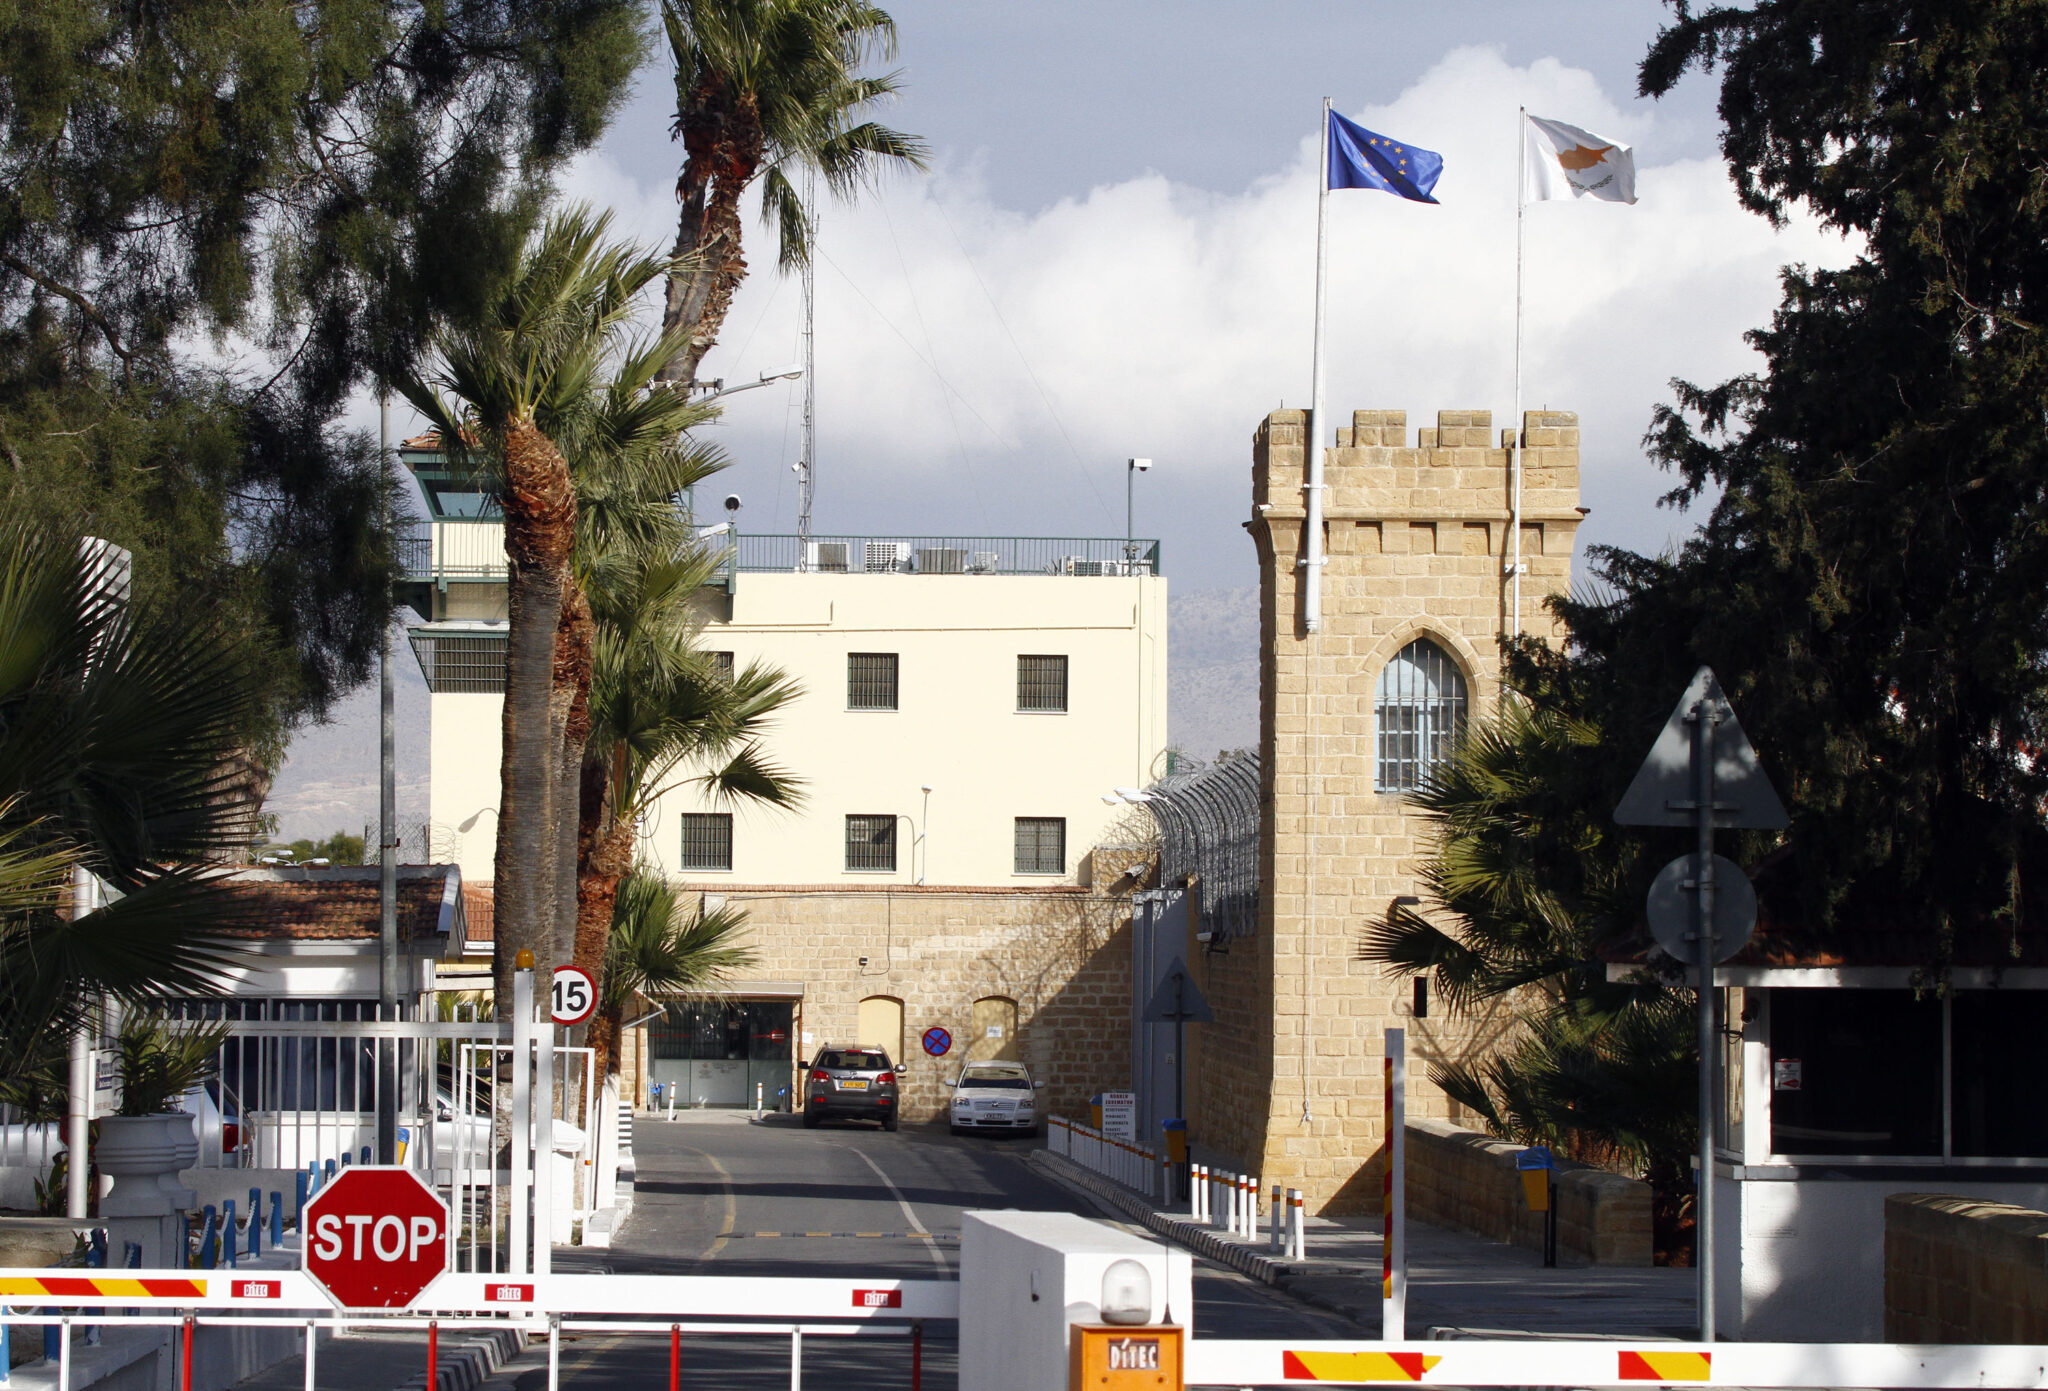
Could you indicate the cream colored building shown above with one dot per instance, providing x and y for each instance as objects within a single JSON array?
[
  {"x": 1417, "y": 595},
  {"x": 968, "y": 707}
]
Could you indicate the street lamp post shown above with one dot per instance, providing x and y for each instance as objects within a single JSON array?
[{"x": 1132, "y": 468}]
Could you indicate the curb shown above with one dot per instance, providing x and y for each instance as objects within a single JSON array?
[
  {"x": 1187, "y": 1232},
  {"x": 467, "y": 1361}
]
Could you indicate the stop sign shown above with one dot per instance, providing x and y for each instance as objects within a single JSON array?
[{"x": 375, "y": 1237}]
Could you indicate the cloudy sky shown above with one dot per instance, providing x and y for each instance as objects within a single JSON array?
[{"x": 1112, "y": 254}]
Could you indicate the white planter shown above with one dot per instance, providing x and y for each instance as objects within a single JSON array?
[{"x": 144, "y": 1155}]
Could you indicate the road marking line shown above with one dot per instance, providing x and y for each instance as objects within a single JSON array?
[
  {"x": 725, "y": 1232},
  {"x": 931, "y": 1247}
]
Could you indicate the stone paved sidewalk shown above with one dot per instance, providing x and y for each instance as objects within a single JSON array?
[{"x": 1458, "y": 1284}]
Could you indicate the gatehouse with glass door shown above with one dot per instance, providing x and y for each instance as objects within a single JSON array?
[{"x": 716, "y": 1052}]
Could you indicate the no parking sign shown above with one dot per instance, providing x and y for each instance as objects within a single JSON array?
[{"x": 937, "y": 1042}]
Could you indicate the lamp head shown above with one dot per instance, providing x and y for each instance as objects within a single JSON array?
[{"x": 1141, "y": 464}]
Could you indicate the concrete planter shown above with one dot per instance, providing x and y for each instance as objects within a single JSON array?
[{"x": 144, "y": 1156}]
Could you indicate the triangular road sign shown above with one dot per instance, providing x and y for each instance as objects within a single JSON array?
[
  {"x": 1663, "y": 788},
  {"x": 1178, "y": 997}
]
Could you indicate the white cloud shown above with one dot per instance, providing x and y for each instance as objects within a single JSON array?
[{"x": 984, "y": 368}]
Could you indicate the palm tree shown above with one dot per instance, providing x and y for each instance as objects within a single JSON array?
[
  {"x": 524, "y": 378},
  {"x": 119, "y": 729},
  {"x": 766, "y": 87},
  {"x": 1599, "y": 1069},
  {"x": 663, "y": 714},
  {"x": 656, "y": 949}
]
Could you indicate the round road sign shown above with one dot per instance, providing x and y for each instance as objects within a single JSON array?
[
  {"x": 376, "y": 1237},
  {"x": 937, "y": 1042},
  {"x": 573, "y": 997}
]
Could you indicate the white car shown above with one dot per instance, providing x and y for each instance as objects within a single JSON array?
[{"x": 997, "y": 1098}]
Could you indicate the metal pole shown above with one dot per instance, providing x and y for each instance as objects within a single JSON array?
[
  {"x": 544, "y": 1093},
  {"x": 796, "y": 1358},
  {"x": 1515, "y": 566},
  {"x": 78, "y": 1108},
  {"x": 433, "y": 1355},
  {"x": 519, "y": 1208},
  {"x": 554, "y": 1352},
  {"x": 312, "y": 1343},
  {"x": 1394, "y": 1271},
  {"x": 675, "y": 1357},
  {"x": 387, "y": 841},
  {"x": 1312, "y": 461},
  {"x": 1704, "y": 717}
]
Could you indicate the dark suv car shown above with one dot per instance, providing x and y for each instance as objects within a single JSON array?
[{"x": 857, "y": 1082}]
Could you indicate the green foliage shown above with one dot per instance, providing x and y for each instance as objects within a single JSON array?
[
  {"x": 160, "y": 1061},
  {"x": 341, "y": 848},
  {"x": 658, "y": 948},
  {"x": 324, "y": 185},
  {"x": 782, "y": 82},
  {"x": 119, "y": 725},
  {"x": 1526, "y": 881},
  {"x": 1868, "y": 583}
]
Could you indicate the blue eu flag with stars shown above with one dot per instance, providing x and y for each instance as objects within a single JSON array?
[{"x": 1361, "y": 159}]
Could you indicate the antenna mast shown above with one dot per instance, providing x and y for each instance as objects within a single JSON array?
[{"x": 807, "y": 456}]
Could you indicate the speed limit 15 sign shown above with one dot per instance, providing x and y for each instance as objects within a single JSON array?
[{"x": 573, "y": 997}]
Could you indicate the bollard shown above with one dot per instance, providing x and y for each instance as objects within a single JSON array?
[
  {"x": 433, "y": 1354},
  {"x": 1297, "y": 1236},
  {"x": 227, "y": 1229},
  {"x": 757, "y": 1101},
  {"x": 209, "y": 1238},
  {"x": 675, "y": 1357},
  {"x": 327, "y": 1172},
  {"x": 1198, "y": 1185},
  {"x": 1251, "y": 1208},
  {"x": 276, "y": 1219},
  {"x": 299, "y": 1193},
  {"x": 131, "y": 1255},
  {"x": 1275, "y": 1218},
  {"x": 344, "y": 1159},
  {"x": 255, "y": 1221},
  {"x": 367, "y": 1156}
]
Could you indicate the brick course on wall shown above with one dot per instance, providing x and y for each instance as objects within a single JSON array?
[
  {"x": 1063, "y": 954},
  {"x": 1458, "y": 1178},
  {"x": 1287, "y": 1080},
  {"x": 1961, "y": 1270}
]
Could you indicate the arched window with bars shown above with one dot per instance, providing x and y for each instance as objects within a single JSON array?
[{"x": 1418, "y": 711}]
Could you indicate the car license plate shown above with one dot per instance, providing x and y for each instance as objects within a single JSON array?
[{"x": 853, "y": 1084}]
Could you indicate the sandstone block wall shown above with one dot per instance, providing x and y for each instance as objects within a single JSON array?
[
  {"x": 1960, "y": 1270},
  {"x": 1419, "y": 538},
  {"x": 1062, "y": 954},
  {"x": 1457, "y": 1178}
]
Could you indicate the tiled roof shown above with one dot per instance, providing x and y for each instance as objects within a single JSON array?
[
  {"x": 480, "y": 906},
  {"x": 342, "y": 904}
]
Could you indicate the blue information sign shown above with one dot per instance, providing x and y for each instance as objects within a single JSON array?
[{"x": 937, "y": 1042}]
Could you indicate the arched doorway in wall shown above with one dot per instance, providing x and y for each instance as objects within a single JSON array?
[
  {"x": 995, "y": 1030},
  {"x": 881, "y": 1025}
]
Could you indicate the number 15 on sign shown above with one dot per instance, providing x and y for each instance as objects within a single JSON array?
[{"x": 573, "y": 996}]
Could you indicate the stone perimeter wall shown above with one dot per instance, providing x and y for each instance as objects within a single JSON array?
[
  {"x": 1287, "y": 1081},
  {"x": 1960, "y": 1270},
  {"x": 1457, "y": 1178},
  {"x": 1063, "y": 954}
]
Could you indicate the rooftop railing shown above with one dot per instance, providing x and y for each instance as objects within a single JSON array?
[{"x": 475, "y": 550}]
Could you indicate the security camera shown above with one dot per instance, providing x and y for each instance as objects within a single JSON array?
[{"x": 732, "y": 502}]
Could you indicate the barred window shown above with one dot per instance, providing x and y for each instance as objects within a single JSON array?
[
  {"x": 1042, "y": 683},
  {"x": 871, "y": 680},
  {"x": 721, "y": 662},
  {"x": 707, "y": 840},
  {"x": 871, "y": 842},
  {"x": 463, "y": 663},
  {"x": 1418, "y": 709},
  {"x": 1041, "y": 845}
]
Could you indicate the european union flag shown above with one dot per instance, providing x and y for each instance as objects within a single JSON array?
[{"x": 1361, "y": 159}]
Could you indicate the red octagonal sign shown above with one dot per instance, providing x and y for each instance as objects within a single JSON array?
[{"x": 375, "y": 1237}]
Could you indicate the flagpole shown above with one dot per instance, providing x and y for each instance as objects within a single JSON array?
[
  {"x": 1312, "y": 485},
  {"x": 1515, "y": 565}
]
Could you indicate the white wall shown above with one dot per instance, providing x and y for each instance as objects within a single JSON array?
[
  {"x": 956, "y": 727},
  {"x": 1802, "y": 1260}
]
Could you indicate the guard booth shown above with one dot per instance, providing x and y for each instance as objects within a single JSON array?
[{"x": 714, "y": 1053}]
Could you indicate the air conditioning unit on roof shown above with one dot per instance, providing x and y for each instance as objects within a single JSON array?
[
  {"x": 1082, "y": 565},
  {"x": 941, "y": 560},
  {"x": 826, "y": 555},
  {"x": 885, "y": 556}
]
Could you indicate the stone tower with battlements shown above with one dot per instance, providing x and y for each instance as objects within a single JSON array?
[{"x": 1416, "y": 597}]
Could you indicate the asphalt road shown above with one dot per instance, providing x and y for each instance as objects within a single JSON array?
[{"x": 720, "y": 1198}]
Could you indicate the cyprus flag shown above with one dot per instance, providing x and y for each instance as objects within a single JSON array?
[{"x": 1561, "y": 161}]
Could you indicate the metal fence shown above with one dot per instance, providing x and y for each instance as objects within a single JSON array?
[{"x": 1086, "y": 556}]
